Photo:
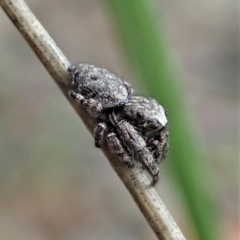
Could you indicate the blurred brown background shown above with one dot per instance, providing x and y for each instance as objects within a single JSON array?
[{"x": 53, "y": 183}]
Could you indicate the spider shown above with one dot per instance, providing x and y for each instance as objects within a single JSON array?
[{"x": 131, "y": 125}]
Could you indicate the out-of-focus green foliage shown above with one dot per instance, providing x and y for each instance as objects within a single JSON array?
[{"x": 148, "y": 55}]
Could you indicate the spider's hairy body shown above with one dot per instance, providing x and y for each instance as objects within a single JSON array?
[{"x": 134, "y": 127}]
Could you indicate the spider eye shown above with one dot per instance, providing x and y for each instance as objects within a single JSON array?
[{"x": 140, "y": 115}]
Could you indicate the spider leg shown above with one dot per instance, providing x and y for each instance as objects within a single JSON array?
[
  {"x": 98, "y": 133},
  {"x": 117, "y": 148},
  {"x": 137, "y": 146},
  {"x": 159, "y": 146},
  {"x": 92, "y": 106},
  {"x": 128, "y": 87}
]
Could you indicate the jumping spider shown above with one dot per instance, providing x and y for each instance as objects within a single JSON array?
[{"x": 133, "y": 126}]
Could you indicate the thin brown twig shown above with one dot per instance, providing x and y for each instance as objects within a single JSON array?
[{"x": 56, "y": 63}]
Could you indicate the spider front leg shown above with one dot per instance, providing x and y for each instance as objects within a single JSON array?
[
  {"x": 117, "y": 148},
  {"x": 159, "y": 145},
  {"x": 161, "y": 149},
  {"x": 92, "y": 106},
  {"x": 137, "y": 146}
]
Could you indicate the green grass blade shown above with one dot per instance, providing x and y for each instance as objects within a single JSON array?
[{"x": 148, "y": 54}]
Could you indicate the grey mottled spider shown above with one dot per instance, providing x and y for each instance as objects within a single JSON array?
[{"x": 133, "y": 126}]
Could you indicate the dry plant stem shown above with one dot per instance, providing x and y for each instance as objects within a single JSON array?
[{"x": 56, "y": 63}]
